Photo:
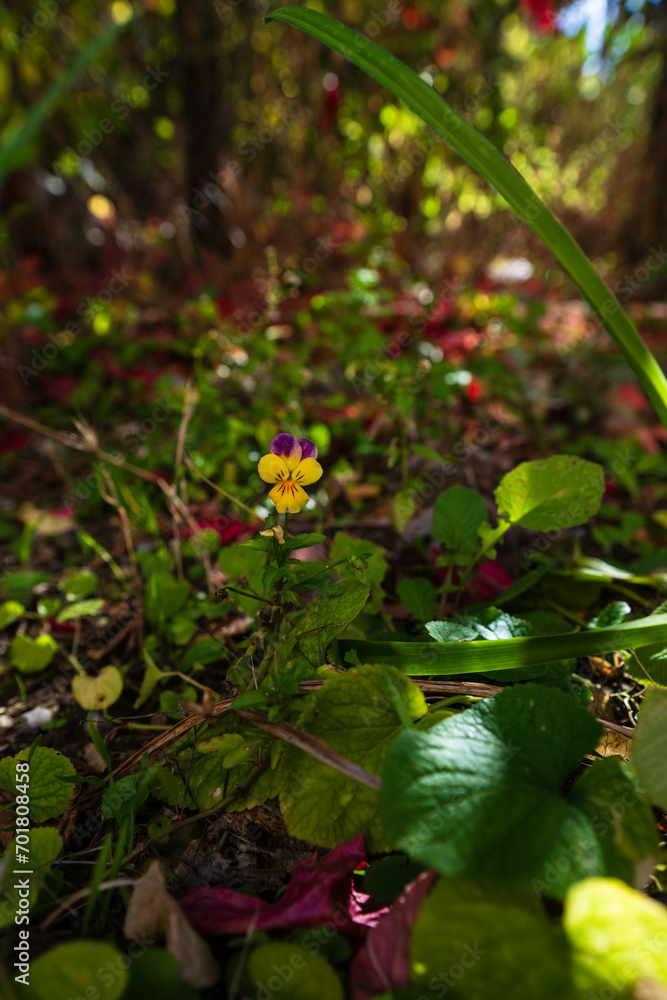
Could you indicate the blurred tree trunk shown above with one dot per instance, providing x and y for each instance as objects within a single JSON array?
[{"x": 198, "y": 65}]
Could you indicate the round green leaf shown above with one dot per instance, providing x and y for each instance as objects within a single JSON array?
[
  {"x": 354, "y": 713},
  {"x": 649, "y": 746},
  {"x": 154, "y": 972},
  {"x": 475, "y": 937},
  {"x": 551, "y": 494},
  {"x": 71, "y": 969},
  {"x": 458, "y": 514},
  {"x": 45, "y": 846},
  {"x": 619, "y": 937},
  {"x": 48, "y": 606},
  {"x": 290, "y": 972},
  {"x": 98, "y": 692},
  {"x": 31, "y": 655},
  {"x": 10, "y": 611},
  {"x": 478, "y": 795},
  {"x": 48, "y": 795},
  {"x": 79, "y": 585}
]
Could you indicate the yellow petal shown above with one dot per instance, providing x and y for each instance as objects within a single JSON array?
[
  {"x": 272, "y": 469},
  {"x": 307, "y": 471},
  {"x": 288, "y": 497}
]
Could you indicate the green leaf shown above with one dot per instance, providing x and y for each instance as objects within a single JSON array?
[
  {"x": 488, "y": 536},
  {"x": 181, "y": 630},
  {"x": 164, "y": 596},
  {"x": 152, "y": 676},
  {"x": 45, "y": 846},
  {"x": 551, "y": 493},
  {"x": 32, "y": 655},
  {"x": 418, "y": 596},
  {"x": 618, "y": 937},
  {"x": 154, "y": 972},
  {"x": 79, "y": 609},
  {"x": 124, "y": 797},
  {"x": 343, "y": 546},
  {"x": 490, "y": 623},
  {"x": 79, "y": 585},
  {"x": 483, "y": 157},
  {"x": 446, "y": 658},
  {"x": 478, "y": 794},
  {"x": 325, "y": 617},
  {"x": 10, "y": 611},
  {"x": 354, "y": 714},
  {"x": 613, "y": 614},
  {"x": 21, "y": 583},
  {"x": 403, "y": 508},
  {"x": 304, "y": 541},
  {"x": 48, "y": 795},
  {"x": 70, "y": 970},
  {"x": 458, "y": 514},
  {"x": 476, "y": 937},
  {"x": 97, "y": 693},
  {"x": 302, "y": 973},
  {"x": 204, "y": 651},
  {"x": 649, "y": 747},
  {"x": 610, "y": 796},
  {"x": 48, "y": 606}
]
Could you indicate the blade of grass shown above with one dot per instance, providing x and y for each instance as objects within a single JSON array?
[
  {"x": 485, "y": 656},
  {"x": 491, "y": 164},
  {"x": 14, "y": 148}
]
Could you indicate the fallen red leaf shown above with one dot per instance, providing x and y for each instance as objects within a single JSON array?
[
  {"x": 383, "y": 961},
  {"x": 319, "y": 891}
]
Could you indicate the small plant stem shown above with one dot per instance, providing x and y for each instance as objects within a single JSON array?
[
  {"x": 253, "y": 597},
  {"x": 445, "y": 589}
]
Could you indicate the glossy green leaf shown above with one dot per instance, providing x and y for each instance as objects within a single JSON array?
[
  {"x": 491, "y": 164},
  {"x": 478, "y": 795},
  {"x": 551, "y": 494},
  {"x": 427, "y": 658}
]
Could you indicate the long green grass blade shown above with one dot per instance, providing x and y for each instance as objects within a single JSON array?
[
  {"x": 491, "y": 164},
  {"x": 426, "y": 658},
  {"x": 14, "y": 148}
]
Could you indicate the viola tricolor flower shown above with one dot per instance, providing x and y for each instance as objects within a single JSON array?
[{"x": 291, "y": 465}]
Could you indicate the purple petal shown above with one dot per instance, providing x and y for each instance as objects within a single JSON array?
[
  {"x": 308, "y": 449},
  {"x": 284, "y": 445}
]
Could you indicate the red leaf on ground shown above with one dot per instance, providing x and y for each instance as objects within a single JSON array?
[
  {"x": 492, "y": 579},
  {"x": 319, "y": 891},
  {"x": 383, "y": 961}
]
